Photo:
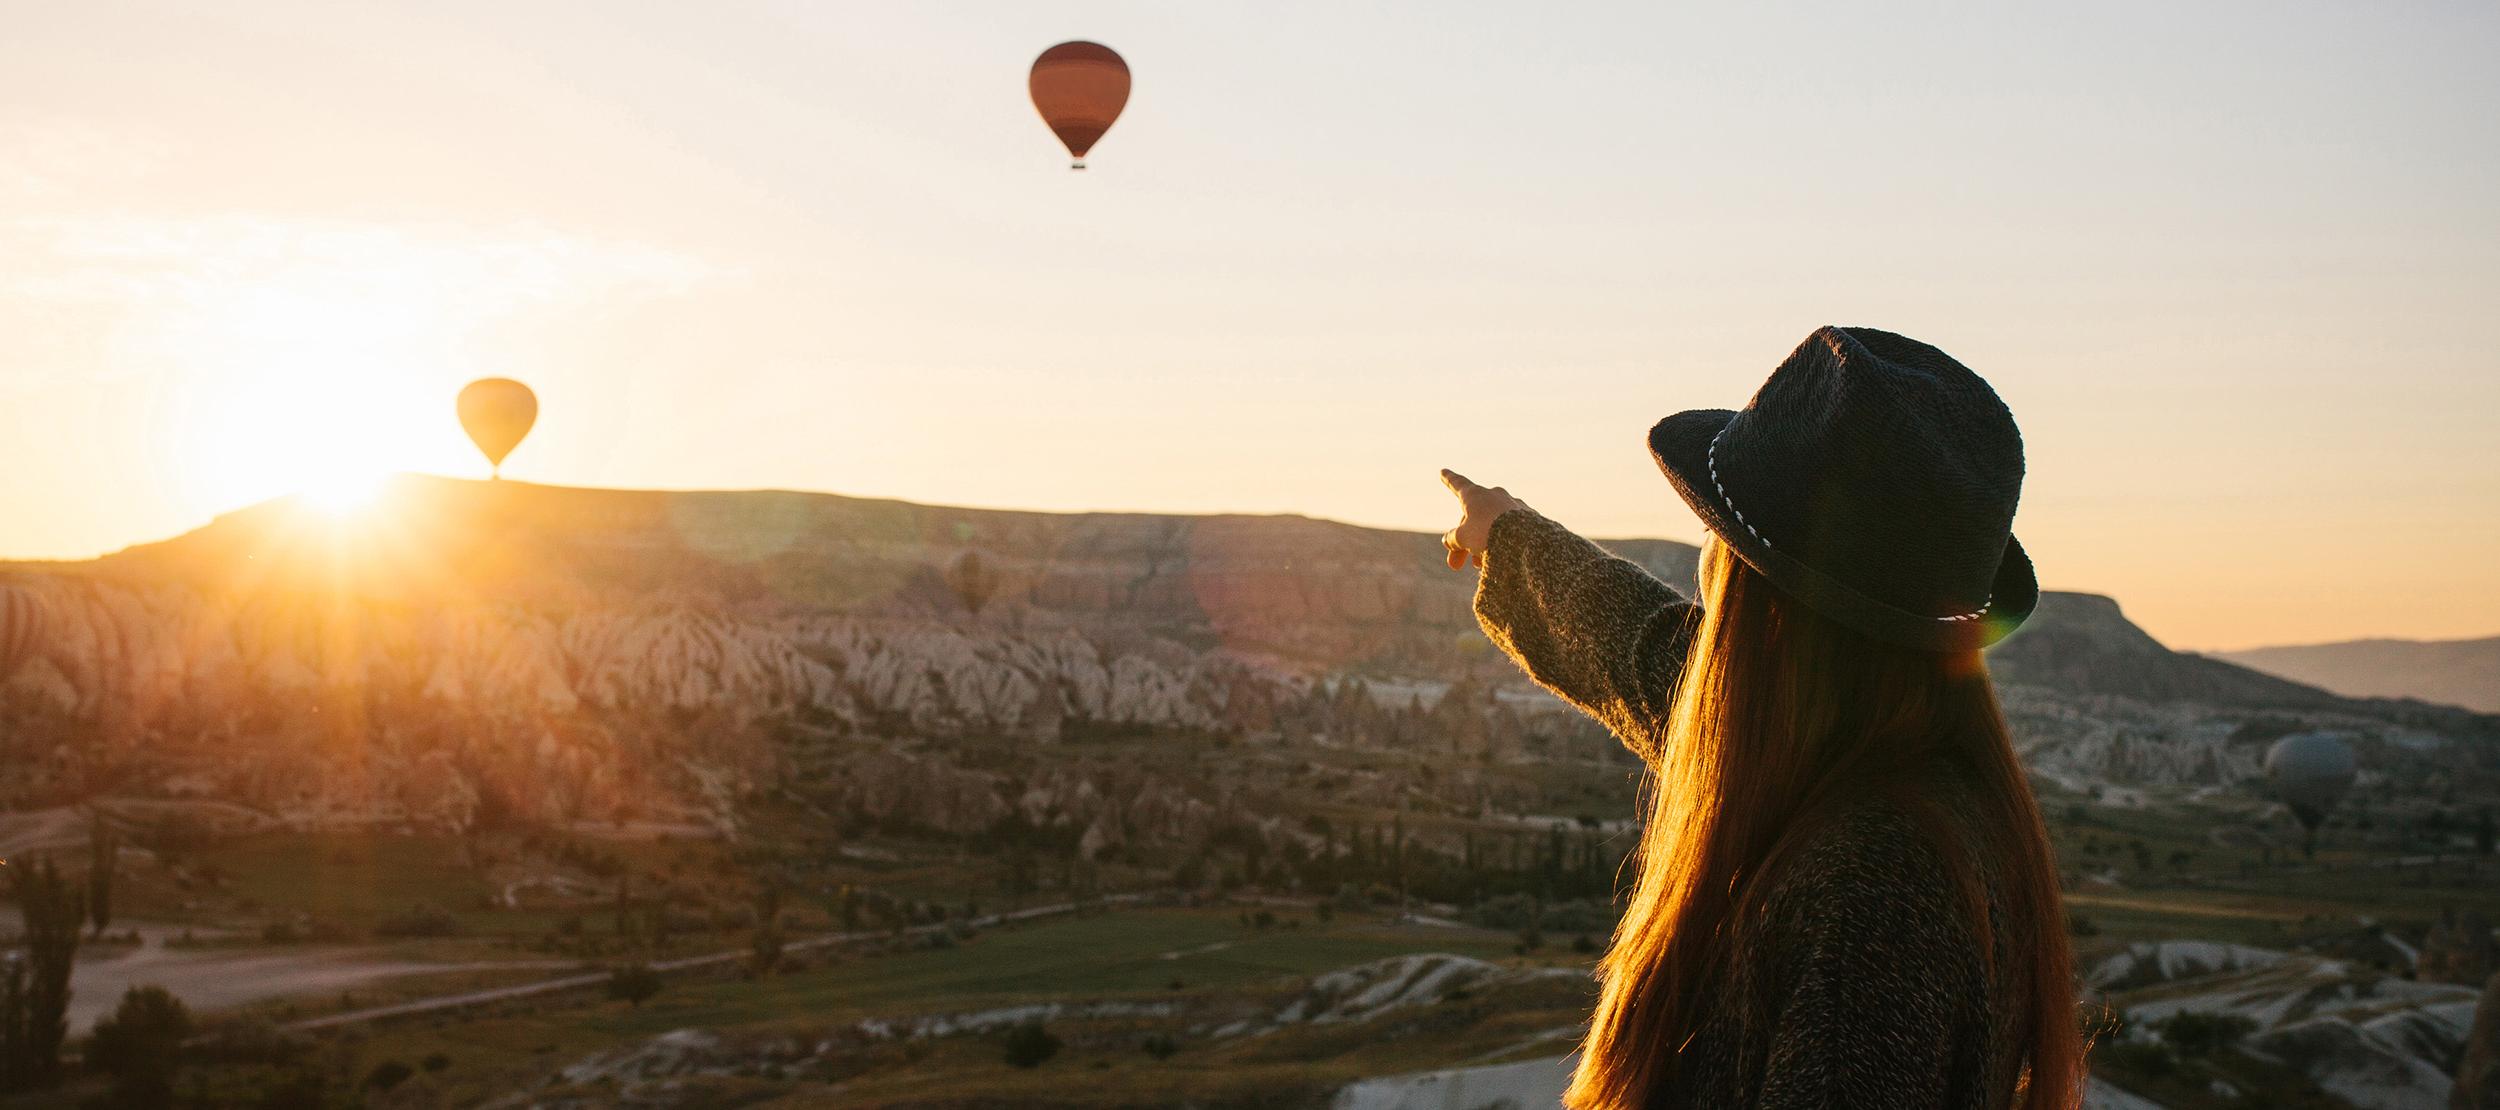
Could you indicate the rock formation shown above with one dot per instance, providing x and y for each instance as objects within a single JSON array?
[{"x": 565, "y": 654}]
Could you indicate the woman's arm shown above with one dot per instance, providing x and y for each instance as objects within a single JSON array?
[{"x": 1598, "y": 630}]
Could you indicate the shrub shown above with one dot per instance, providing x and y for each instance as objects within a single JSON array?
[
  {"x": 1029, "y": 1044},
  {"x": 247, "y": 1041},
  {"x": 435, "y": 1062},
  {"x": 1161, "y": 1046},
  {"x": 633, "y": 984},
  {"x": 257, "y": 1085},
  {"x": 424, "y": 919},
  {"x": 139, "y": 1045},
  {"x": 2199, "y": 1033},
  {"x": 388, "y": 1074}
]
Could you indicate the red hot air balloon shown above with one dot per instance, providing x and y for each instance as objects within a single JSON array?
[
  {"x": 497, "y": 412},
  {"x": 1079, "y": 87}
]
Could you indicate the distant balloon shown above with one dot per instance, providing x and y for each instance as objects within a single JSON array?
[
  {"x": 497, "y": 412},
  {"x": 24, "y": 622},
  {"x": 1079, "y": 87},
  {"x": 972, "y": 580},
  {"x": 2310, "y": 772}
]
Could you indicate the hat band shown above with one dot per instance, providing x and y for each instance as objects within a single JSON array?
[{"x": 1756, "y": 533}]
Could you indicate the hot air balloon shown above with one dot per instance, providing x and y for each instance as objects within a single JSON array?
[
  {"x": 1079, "y": 87},
  {"x": 2310, "y": 772},
  {"x": 497, "y": 412},
  {"x": 24, "y": 620},
  {"x": 972, "y": 580}
]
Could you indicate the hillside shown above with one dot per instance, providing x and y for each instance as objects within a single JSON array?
[
  {"x": 467, "y": 648},
  {"x": 2082, "y": 644},
  {"x": 562, "y": 724},
  {"x": 1308, "y": 595},
  {"x": 2450, "y": 672}
]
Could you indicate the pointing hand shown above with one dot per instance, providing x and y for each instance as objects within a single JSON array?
[{"x": 1478, "y": 507}]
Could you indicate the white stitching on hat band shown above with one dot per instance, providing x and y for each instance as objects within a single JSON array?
[{"x": 1730, "y": 502}]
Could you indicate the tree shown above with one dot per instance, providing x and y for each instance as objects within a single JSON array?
[
  {"x": 1029, "y": 1044},
  {"x": 139, "y": 1045},
  {"x": 103, "y": 855},
  {"x": 633, "y": 984},
  {"x": 13, "y": 1065},
  {"x": 388, "y": 1074},
  {"x": 2199, "y": 1033},
  {"x": 1191, "y": 874},
  {"x": 628, "y": 925},
  {"x": 53, "y": 909},
  {"x": 767, "y": 941}
]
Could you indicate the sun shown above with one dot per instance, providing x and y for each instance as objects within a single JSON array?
[
  {"x": 345, "y": 491},
  {"x": 310, "y": 394},
  {"x": 329, "y": 440}
]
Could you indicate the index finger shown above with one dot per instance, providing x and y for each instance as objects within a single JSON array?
[{"x": 1457, "y": 482}]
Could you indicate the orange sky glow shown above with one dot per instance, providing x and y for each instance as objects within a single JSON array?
[{"x": 2231, "y": 278}]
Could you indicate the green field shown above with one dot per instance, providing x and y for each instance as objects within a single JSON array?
[{"x": 1149, "y": 955}]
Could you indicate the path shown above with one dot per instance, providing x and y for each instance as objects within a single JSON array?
[
  {"x": 220, "y": 978},
  {"x": 687, "y": 963}
]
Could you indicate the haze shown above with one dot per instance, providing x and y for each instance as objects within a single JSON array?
[{"x": 2231, "y": 265}]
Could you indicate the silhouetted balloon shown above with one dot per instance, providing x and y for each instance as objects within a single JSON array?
[
  {"x": 2310, "y": 772},
  {"x": 24, "y": 621},
  {"x": 497, "y": 412},
  {"x": 1079, "y": 87},
  {"x": 972, "y": 580}
]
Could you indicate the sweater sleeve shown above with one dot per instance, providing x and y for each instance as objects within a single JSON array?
[
  {"x": 1872, "y": 960},
  {"x": 1596, "y": 629}
]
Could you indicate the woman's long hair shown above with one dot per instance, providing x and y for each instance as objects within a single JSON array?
[{"x": 1784, "y": 718}]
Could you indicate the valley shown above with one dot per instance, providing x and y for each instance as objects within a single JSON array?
[{"x": 1276, "y": 818}]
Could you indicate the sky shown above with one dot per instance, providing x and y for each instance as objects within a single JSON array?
[{"x": 2231, "y": 265}]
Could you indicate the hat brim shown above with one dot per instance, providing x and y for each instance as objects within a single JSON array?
[{"x": 1681, "y": 446}]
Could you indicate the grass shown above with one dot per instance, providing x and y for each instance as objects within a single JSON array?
[
  {"x": 1105, "y": 955},
  {"x": 1108, "y": 955},
  {"x": 350, "y": 879}
]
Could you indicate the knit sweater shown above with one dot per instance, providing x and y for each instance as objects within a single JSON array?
[{"x": 1864, "y": 984}]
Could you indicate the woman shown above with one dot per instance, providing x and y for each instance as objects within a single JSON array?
[{"x": 1846, "y": 897}]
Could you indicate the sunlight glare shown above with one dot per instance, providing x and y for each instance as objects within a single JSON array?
[
  {"x": 344, "y": 491},
  {"x": 298, "y": 386}
]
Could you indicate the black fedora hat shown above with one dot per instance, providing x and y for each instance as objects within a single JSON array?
[{"x": 1872, "y": 478}]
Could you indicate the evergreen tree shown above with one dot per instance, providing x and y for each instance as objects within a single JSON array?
[
  {"x": 627, "y": 926},
  {"x": 54, "y": 909},
  {"x": 767, "y": 941},
  {"x": 14, "y": 1062},
  {"x": 633, "y": 984},
  {"x": 140, "y": 1044},
  {"x": 103, "y": 857}
]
